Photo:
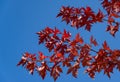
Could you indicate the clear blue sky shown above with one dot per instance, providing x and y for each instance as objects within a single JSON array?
[{"x": 21, "y": 19}]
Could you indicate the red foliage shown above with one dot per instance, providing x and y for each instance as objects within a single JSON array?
[{"x": 75, "y": 53}]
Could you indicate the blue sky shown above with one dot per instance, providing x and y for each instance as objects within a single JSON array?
[{"x": 21, "y": 19}]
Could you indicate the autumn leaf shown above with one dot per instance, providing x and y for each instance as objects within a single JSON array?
[
  {"x": 110, "y": 20},
  {"x": 92, "y": 74},
  {"x": 74, "y": 69},
  {"x": 55, "y": 73},
  {"x": 93, "y": 41},
  {"x": 75, "y": 73},
  {"x": 30, "y": 67},
  {"x": 59, "y": 69},
  {"x": 66, "y": 63},
  {"x": 59, "y": 55},
  {"x": 41, "y": 56},
  {"x": 70, "y": 70},
  {"x": 105, "y": 46},
  {"x": 79, "y": 39},
  {"x": 66, "y": 35},
  {"x": 88, "y": 27},
  {"x": 56, "y": 31},
  {"x": 42, "y": 71},
  {"x": 99, "y": 16},
  {"x": 87, "y": 10},
  {"x": 114, "y": 15},
  {"x": 23, "y": 61}
]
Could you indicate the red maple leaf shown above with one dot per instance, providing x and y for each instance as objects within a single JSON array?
[
  {"x": 41, "y": 56},
  {"x": 105, "y": 46},
  {"x": 93, "y": 41},
  {"x": 66, "y": 35},
  {"x": 79, "y": 39},
  {"x": 59, "y": 55}
]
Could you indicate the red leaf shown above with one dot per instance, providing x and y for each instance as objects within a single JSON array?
[
  {"x": 27, "y": 55},
  {"x": 30, "y": 66},
  {"x": 107, "y": 73},
  {"x": 59, "y": 14},
  {"x": 41, "y": 56},
  {"x": 113, "y": 29},
  {"x": 110, "y": 20},
  {"x": 99, "y": 16},
  {"x": 88, "y": 27},
  {"x": 87, "y": 10},
  {"x": 66, "y": 35},
  {"x": 105, "y": 46},
  {"x": 66, "y": 63},
  {"x": 56, "y": 31},
  {"x": 55, "y": 73},
  {"x": 92, "y": 74},
  {"x": 114, "y": 15},
  {"x": 23, "y": 61},
  {"x": 74, "y": 51},
  {"x": 75, "y": 73},
  {"x": 48, "y": 30},
  {"x": 93, "y": 41},
  {"x": 70, "y": 70},
  {"x": 59, "y": 55},
  {"x": 108, "y": 28},
  {"x": 116, "y": 6},
  {"x": 42, "y": 71},
  {"x": 74, "y": 69},
  {"x": 59, "y": 69},
  {"x": 79, "y": 39}
]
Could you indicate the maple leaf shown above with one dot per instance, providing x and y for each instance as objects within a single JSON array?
[
  {"x": 105, "y": 46},
  {"x": 88, "y": 26},
  {"x": 59, "y": 69},
  {"x": 93, "y": 41},
  {"x": 74, "y": 51},
  {"x": 75, "y": 73},
  {"x": 110, "y": 20},
  {"x": 116, "y": 6},
  {"x": 109, "y": 70},
  {"x": 58, "y": 46},
  {"x": 66, "y": 35},
  {"x": 55, "y": 73},
  {"x": 56, "y": 31},
  {"x": 23, "y": 61},
  {"x": 92, "y": 74},
  {"x": 66, "y": 63},
  {"x": 114, "y": 15},
  {"x": 91, "y": 71},
  {"x": 30, "y": 66},
  {"x": 41, "y": 56},
  {"x": 59, "y": 55},
  {"x": 50, "y": 45},
  {"x": 88, "y": 10},
  {"x": 74, "y": 69},
  {"x": 27, "y": 55},
  {"x": 99, "y": 16},
  {"x": 42, "y": 36},
  {"x": 42, "y": 70},
  {"x": 25, "y": 58},
  {"x": 79, "y": 39},
  {"x": 112, "y": 29},
  {"x": 59, "y": 14}
]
